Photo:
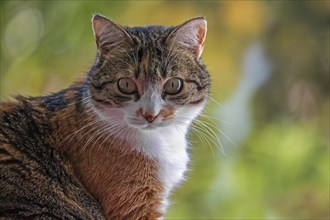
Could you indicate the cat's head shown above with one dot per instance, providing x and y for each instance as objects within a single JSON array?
[{"x": 148, "y": 77}]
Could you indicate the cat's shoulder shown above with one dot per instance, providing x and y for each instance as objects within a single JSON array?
[{"x": 23, "y": 118}]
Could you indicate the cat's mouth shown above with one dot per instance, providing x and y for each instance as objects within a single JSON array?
[{"x": 143, "y": 124}]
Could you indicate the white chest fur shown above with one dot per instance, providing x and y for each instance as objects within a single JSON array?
[{"x": 168, "y": 146}]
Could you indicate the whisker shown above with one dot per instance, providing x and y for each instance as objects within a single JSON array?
[
  {"x": 215, "y": 118},
  {"x": 112, "y": 129},
  {"x": 92, "y": 136},
  {"x": 218, "y": 103},
  {"x": 212, "y": 134},
  {"x": 73, "y": 134},
  {"x": 219, "y": 130},
  {"x": 201, "y": 134}
]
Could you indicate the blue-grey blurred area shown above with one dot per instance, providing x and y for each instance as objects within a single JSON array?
[{"x": 260, "y": 150}]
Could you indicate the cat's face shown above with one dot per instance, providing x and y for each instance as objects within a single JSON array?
[{"x": 149, "y": 77}]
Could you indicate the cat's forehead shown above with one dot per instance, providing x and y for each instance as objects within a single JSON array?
[
  {"x": 150, "y": 32},
  {"x": 151, "y": 52}
]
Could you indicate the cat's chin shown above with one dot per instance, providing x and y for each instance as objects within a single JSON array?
[{"x": 143, "y": 125}]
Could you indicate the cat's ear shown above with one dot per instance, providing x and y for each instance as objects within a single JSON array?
[
  {"x": 189, "y": 36},
  {"x": 109, "y": 35}
]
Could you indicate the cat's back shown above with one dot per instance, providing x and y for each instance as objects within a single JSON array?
[{"x": 36, "y": 181}]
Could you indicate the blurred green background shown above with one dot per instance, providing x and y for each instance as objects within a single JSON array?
[{"x": 269, "y": 64}]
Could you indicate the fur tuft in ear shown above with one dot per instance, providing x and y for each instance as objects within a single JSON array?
[
  {"x": 108, "y": 35},
  {"x": 190, "y": 35}
]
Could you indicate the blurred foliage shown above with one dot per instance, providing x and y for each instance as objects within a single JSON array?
[{"x": 281, "y": 169}]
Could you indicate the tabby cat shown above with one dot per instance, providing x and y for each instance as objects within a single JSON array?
[{"x": 113, "y": 145}]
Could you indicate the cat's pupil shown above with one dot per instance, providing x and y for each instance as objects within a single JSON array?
[
  {"x": 173, "y": 86},
  {"x": 126, "y": 85}
]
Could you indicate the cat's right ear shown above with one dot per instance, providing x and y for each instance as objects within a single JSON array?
[{"x": 109, "y": 35}]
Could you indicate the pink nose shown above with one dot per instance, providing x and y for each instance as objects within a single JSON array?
[{"x": 150, "y": 118}]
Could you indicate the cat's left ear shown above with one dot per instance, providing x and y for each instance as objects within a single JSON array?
[{"x": 189, "y": 36}]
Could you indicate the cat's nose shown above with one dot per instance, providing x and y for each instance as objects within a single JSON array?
[{"x": 150, "y": 117}]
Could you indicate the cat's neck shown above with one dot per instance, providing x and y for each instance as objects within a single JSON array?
[{"x": 143, "y": 167}]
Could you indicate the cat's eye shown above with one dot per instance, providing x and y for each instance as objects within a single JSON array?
[
  {"x": 126, "y": 85},
  {"x": 173, "y": 86}
]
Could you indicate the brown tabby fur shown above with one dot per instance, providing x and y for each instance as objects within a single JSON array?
[
  {"x": 37, "y": 181},
  {"x": 55, "y": 160},
  {"x": 103, "y": 171}
]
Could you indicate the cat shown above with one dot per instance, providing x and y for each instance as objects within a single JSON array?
[{"x": 113, "y": 145}]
